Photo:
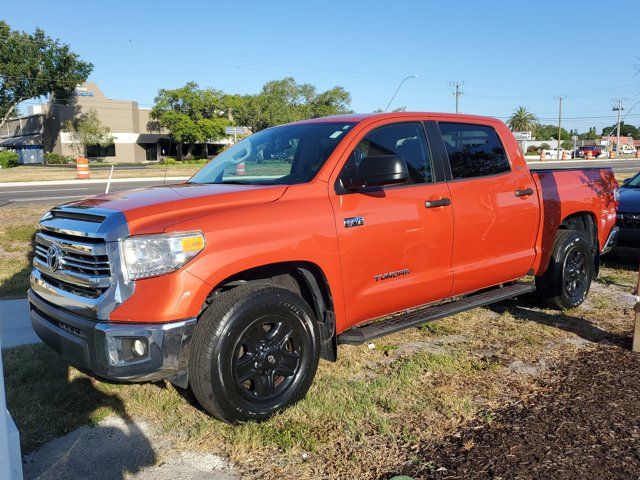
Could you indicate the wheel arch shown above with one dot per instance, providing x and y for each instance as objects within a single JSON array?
[
  {"x": 585, "y": 222},
  {"x": 303, "y": 278}
]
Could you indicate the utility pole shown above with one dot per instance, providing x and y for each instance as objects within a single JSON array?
[
  {"x": 618, "y": 108},
  {"x": 457, "y": 93},
  {"x": 559, "y": 125}
]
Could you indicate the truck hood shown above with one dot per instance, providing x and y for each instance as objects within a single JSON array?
[
  {"x": 629, "y": 200},
  {"x": 150, "y": 210}
]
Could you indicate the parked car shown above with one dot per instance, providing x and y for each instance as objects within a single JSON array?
[
  {"x": 597, "y": 151},
  {"x": 628, "y": 218},
  {"x": 236, "y": 285},
  {"x": 627, "y": 149},
  {"x": 552, "y": 153}
]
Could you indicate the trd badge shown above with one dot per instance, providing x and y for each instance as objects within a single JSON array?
[{"x": 353, "y": 222}]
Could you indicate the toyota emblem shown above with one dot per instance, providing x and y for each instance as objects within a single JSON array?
[{"x": 53, "y": 257}]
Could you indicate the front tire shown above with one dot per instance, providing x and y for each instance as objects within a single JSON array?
[
  {"x": 255, "y": 352},
  {"x": 571, "y": 268}
]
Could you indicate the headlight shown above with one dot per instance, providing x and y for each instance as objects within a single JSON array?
[{"x": 151, "y": 255}]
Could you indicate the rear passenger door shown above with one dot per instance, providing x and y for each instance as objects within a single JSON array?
[{"x": 495, "y": 208}]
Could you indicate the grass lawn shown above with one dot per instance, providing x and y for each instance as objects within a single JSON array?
[{"x": 16, "y": 231}]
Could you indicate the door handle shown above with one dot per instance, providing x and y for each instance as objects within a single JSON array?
[
  {"x": 442, "y": 202},
  {"x": 525, "y": 192}
]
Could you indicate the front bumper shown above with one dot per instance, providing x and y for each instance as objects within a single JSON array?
[{"x": 103, "y": 348}]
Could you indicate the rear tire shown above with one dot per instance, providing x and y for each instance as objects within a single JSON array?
[
  {"x": 255, "y": 352},
  {"x": 568, "y": 278}
]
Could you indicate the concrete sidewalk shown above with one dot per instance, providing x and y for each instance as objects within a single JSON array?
[{"x": 15, "y": 323}]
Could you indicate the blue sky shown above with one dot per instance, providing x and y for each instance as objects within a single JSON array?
[{"x": 506, "y": 53}]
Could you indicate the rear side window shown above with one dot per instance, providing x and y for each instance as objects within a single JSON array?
[
  {"x": 404, "y": 139},
  {"x": 473, "y": 150}
]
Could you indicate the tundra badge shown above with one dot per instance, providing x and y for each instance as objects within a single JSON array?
[{"x": 397, "y": 273}]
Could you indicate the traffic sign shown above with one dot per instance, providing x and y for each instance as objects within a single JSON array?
[
  {"x": 522, "y": 135},
  {"x": 234, "y": 130}
]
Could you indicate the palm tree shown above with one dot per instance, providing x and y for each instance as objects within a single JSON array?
[{"x": 522, "y": 120}]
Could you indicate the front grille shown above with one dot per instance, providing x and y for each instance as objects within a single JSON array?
[
  {"x": 628, "y": 220},
  {"x": 78, "y": 265}
]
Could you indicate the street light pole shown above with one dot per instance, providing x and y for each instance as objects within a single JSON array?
[{"x": 398, "y": 89}]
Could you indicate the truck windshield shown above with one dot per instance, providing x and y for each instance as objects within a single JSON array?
[{"x": 283, "y": 155}]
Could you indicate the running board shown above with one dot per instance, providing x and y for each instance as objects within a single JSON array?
[{"x": 414, "y": 318}]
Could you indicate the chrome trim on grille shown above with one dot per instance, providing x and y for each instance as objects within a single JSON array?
[{"x": 86, "y": 275}]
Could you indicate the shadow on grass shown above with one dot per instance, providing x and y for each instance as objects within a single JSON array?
[
  {"x": 46, "y": 402},
  {"x": 527, "y": 308}
]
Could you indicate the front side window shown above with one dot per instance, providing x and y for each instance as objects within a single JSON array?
[
  {"x": 473, "y": 150},
  {"x": 404, "y": 139},
  {"x": 284, "y": 155}
]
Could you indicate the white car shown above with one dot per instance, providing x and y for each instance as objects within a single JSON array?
[
  {"x": 627, "y": 150},
  {"x": 552, "y": 153}
]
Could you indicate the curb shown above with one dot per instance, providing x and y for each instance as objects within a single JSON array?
[{"x": 42, "y": 183}]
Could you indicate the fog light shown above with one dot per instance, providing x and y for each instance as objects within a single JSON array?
[{"x": 139, "y": 348}]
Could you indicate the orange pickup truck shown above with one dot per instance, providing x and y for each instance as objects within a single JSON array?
[{"x": 304, "y": 236}]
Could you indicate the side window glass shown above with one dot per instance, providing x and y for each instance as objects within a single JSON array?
[
  {"x": 404, "y": 139},
  {"x": 473, "y": 150}
]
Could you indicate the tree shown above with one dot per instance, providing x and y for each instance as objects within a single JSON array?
[
  {"x": 626, "y": 130},
  {"x": 35, "y": 65},
  {"x": 589, "y": 135},
  {"x": 192, "y": 115},
  {"x": 548, "y": 132},
  {"x": 86, "y": 130},
  {"x": 522, "y": 120},
  {"x": 284, "y": 101}
]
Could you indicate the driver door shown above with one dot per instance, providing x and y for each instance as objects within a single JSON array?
[{"x": 395, "y": 243}]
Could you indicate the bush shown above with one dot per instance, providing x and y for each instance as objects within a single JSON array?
[
  {"x": 567, "y": 145},
  {"x": 55, "y": 159},
  {"x": 173, "y": 161},
  {"x": 545, "y": 146},
  {"x": 532, "y": 149},
  {"x": 8, "y": 159}
]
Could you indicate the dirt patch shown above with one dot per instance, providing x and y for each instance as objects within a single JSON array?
[{"x": 582, "y": 422}]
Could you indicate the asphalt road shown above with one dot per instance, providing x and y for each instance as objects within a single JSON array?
[
  {"x": 63, "y": 192},
  {"x": 67, "y": 191}
]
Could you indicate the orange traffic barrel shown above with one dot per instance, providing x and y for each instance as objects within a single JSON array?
[
  {"x": 589, "y": 155},
  {"x": 612, "y": 154},
  {"x": 82, "y": 168},
  {"x": 543, "y": 156},
  {"x": 240, "y": 170},
  {"x": 638, "y": 153},
  {"x": 564, "y": 156}
]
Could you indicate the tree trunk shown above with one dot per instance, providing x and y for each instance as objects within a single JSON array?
[
  {"x": 190, "y": 150},
  {"x": 6, "y": 115},
  {"x": 179, "y": 151}
]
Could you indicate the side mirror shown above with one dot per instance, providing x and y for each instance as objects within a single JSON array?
[
  {"x": 377, "y": 171},
  {"x": 626, "y": 181}
]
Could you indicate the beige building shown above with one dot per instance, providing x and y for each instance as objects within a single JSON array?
[{"x": 135, "y": 138}]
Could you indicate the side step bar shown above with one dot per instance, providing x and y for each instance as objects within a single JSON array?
[{"x": 414, "y": 318}]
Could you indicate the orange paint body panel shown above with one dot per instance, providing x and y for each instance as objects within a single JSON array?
[{"x": 487, "y": 235}]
